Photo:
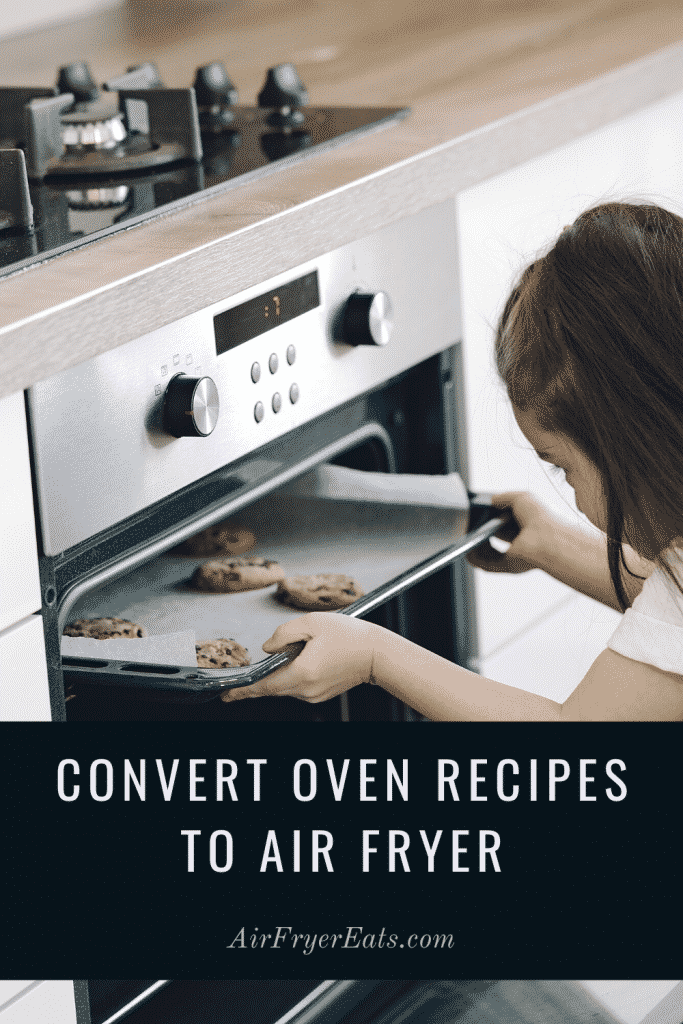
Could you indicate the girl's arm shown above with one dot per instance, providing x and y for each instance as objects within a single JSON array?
[
  {"x": 615, "y": 689},
  {"x": 574, "y": 555},
  {"x": 341, "y": 652}
]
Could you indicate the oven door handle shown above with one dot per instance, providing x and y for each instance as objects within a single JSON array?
[
  {"x": 196, "y": 684},
  {"x": 485, "y": 520}
]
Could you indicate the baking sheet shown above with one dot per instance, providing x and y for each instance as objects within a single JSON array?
[{"x": 372, "y": 542}]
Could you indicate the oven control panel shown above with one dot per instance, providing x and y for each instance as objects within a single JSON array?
[{"x": 172, "y": 406}]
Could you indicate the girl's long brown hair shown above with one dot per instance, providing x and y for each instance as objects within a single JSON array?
[{"x": 591, "y": 341}]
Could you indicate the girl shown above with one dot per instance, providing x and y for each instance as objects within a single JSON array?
[{"x": 590, "y": 348}]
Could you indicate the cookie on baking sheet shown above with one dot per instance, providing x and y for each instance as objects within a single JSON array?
[
  {"x": 104, "y": 629},
  {"x": 221, "y": 654},
  {"x": 230, "y": 575},
  {"x": 326, "y": 591},
  {"x": 224, "y": 538}
]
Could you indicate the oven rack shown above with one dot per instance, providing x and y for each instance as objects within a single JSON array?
[{"x": 178, "y": 683}]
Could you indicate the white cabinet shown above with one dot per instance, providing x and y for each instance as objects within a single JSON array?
[
  {"x": 19, "y": 583},
  {"x": 24, "y": 693},
  {"x": 23, "y": 672},
  {"x": 503, "y": 223},
  {"x": 42, "y": 1002}
]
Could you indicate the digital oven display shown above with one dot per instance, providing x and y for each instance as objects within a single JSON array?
[{"x": 256, "y": 316}]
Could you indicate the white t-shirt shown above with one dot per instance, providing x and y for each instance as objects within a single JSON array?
[{"x": 651, "y": 630}]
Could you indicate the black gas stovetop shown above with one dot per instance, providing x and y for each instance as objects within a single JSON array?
[{"x": 78, "y": 162}]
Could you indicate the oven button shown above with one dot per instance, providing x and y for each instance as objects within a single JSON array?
[
  {"x": 294, "y": 394},
  {"x": 273, "y": 363},
  {"x": 256, "y": 372},
  {"x": 277, "y": 402},
  {"x": 291, "y": 354},
  {"x": 259, "y": 412},
  {"x": 191, "y": 406},
  {"x": 367, "y": 319}
]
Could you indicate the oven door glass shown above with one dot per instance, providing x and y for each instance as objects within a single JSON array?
[
  {"x": 228, "y": 1001},
  {"x": 357, "y": 1002}
]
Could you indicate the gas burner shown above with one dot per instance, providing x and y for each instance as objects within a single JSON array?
[
  {"x": 80, "y": 132},
  {"x": 78, "y": 161},
  {"x": 141, "y": 126},
  {"x": 91, "y": 123},
  {"x": 97, "y": 198}
]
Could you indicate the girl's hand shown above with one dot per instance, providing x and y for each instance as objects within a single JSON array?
[
  {"x": 338, "y": 655},
  {"x": 528, "y": 532}
]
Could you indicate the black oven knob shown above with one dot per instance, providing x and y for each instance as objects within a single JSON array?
[
  {"x": 367, "y": 319},
  {"x": 191, "y": 406}
]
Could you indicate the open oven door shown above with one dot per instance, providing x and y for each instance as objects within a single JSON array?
[
  {"x": 219, "y": 1002},
  {"x": 462, "y": 1001},
  {"x": 387, "y": 531}
]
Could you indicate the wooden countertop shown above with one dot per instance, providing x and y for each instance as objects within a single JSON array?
[{"x": 490, "y": 84}]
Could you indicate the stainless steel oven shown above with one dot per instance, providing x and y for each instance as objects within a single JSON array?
[{"x": 351, "y": 360}]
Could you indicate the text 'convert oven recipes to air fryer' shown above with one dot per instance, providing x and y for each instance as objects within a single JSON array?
[
  {"x": 460, "y": 849},
  {"x": 195, "y": 846}
]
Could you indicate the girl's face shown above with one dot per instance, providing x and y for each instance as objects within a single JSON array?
[{"x": 579, "y": 471}]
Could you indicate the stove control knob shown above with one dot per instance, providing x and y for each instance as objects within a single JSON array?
[
  {"x": 283, "y": 88},
  {"x": 77, "y": 79},
  {"x": 141, "y": 76},
  {"x": 213, "y": 87},
  {"x": 367, "y": 319},
  {"x": 191, "y": 406}
]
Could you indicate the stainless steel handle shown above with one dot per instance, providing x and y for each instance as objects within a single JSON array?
[
  {"x": 424, "y": 569},
  {"x": 199, "y": 684}
]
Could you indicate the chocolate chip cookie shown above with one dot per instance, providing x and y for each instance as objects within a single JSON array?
[
  {"x": 224, "y": 538},
  {"x": 104, "y": 629},
  {"x": 230, "y": 575},
  {"x": 325, "y": 592},
  {"x": 221, "y": 654}
]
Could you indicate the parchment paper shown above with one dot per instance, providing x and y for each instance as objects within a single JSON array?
[
  {"x": 169, "y": 649},
  {"x": 371, "y": 541}
]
